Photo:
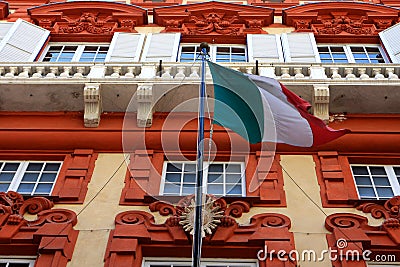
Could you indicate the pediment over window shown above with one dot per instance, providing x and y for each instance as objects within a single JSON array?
[
  {"x": 341, "y": 20},
  {"x": 213, "y": 21},
  {"x": 91, "y": 20}
]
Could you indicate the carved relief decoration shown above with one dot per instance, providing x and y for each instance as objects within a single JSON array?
[
  {"x": 137, "y": 235},
  {"x": 352, "y": 232},
  {"x": 50, "y": 235},
  {"x": 88, "y": 18},
  {"x": 340, "y": 18},
  {"x": 213, "y": 19}
]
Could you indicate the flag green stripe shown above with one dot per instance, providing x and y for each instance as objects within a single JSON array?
[{"x": 238, "y": 103}]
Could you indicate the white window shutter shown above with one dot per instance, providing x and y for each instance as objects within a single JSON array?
[
  {"x": 125, "y": 47},
  {"x": 264, "y": 48},
  {"x": 23, "y": 42},
  {"x": 4, "y": 28},
  {"x": 391, "y": 41},
  {"x": 300, "y": 47},
  {"x": 161, "y": 46}
]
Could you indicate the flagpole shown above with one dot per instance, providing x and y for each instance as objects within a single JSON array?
[{"x": 198, "y": 214}]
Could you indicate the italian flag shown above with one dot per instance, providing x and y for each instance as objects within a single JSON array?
[{"x": 260, "y": 109}]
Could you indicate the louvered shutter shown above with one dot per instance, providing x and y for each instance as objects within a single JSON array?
[
  {"x": 264, "y": 48},
  {"x": 161, "y": 46},
  {"x": 4, "y": 28},
  {"x": 23, "y": 42},
  {"x": 391, "y": 40},
  {"x": 300, "y": 47},
  {"x": 125, "y": 47}
]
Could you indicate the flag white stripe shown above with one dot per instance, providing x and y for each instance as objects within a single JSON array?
[{"x": 281, "y": 117}]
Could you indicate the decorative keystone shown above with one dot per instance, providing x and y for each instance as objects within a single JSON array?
[
  {"x": 145, "y": 105},
  {"x": 320, "y": 102},
  {"x": 92, "y": 98}
]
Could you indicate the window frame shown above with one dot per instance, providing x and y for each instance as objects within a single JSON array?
[
  {"x": 391, "y": 175},
  {"x": 7, "y": 260},
  {"x": 21, "y": 170},
  {"x": 213, "y": 52},
  {"x": 78, "y": 52},
  {"x": 349, "y": 54},
  {"x": 176, "y": 262},
  {"x": 205, "y": 176}
]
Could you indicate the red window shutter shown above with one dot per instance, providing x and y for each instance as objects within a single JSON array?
[
  {"x": 335, "y": 179},
  {"x": 72, "y": 182}
]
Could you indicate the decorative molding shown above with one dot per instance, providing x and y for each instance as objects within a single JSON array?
[
  {"x": 335, "y": 180},
  {"x": 136, "y": 235},
  {"x": 328, "y": 20},
  {"x": 51, "y": 235},
  {"x": 352, "y": 232},
  {"x": 93, "y": 107},
  {"x": 73, "y": 20},
  {"x": 144, "y": 96},
  {"x": 388, "y": 211},
  {"x": 215, "y": 21},
  {"x": 224, "y": 215},
  {"x": 320, "y": 101}
]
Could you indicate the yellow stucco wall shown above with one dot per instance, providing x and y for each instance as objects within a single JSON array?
[{"x": 97, "y": 219}]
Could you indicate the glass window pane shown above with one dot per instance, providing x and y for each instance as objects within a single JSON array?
[
  {"x": 215, "y": 168},
  {"x": 381, "y": 181},
  {"x": 48, "y": 177},
  {"x": 188, "y": 189},
  {"x": 214, "y": 178},
  {"x": 223, "y": 50},
  {"x": 6, "y": 177},
  {"x": 385, "y": 192},
  {"x": 90, "y": 49},
  {"x": 189, "y": 178},
  {"x": 173, "y": 177},
  {"x": 233, "y": 178},
  {"x": 324, "y": 56},
  {"x": 43, "y": 188},
  {"x": 360, "y": 170},
  {"x": 4, "y": 187},
  {"x": 323, "y": 49},
  {"x": 377, "y": 170},
  {"x": 336, "y": 49},
  {"x": 52, "y": 167},
  {"x": 234, "y": 190},
  {"x": 362, "y": 180},
  {"x": 25, "y": 188},
  {"x": 11, "y": 166},
  {"x": 34, "y": 167},
  {"x": 233, "y": 168},
  {"x": 14, "y": 264},
  {"x": 366, "y": 192},
  {"x": 361, "y": 56},
  {"x": 171, "y": 188},
  {"x": 188, "y": 49},
  {"x": 215, "y": 189},
  {"x": 357, "y": 49},
  {"x": 339, "y": 56},
  {"x": 30, "y": 177},
  {"x": 190, "y": 167},
  {"x": 174, "y": 167},
  {"x": 396, "y": 170}
]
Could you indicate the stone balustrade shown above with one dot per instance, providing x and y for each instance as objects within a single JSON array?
[{"x": 191, "y": 72}]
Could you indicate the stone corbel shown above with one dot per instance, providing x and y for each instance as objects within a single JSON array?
[
  {"x": 320, "y": 102},
  {"x": 144, "y": 97},
  {"x": 93, "y": 107}
]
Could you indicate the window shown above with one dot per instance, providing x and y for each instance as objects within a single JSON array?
[
  {"x": 16, "y": 263},
  {"x": 205, "y": 263},
  {"x": 376, "y": 182},
  {"x": 218, "y": 53},
  {"x": 350, "y": 54},
  {"x": 220, "y": 179},
  {"x": 28, "y": 177},
  {"x": 75, "y": 53}
]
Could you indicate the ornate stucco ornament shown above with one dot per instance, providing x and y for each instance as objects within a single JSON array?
[{"x": 211, "y": 217}]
